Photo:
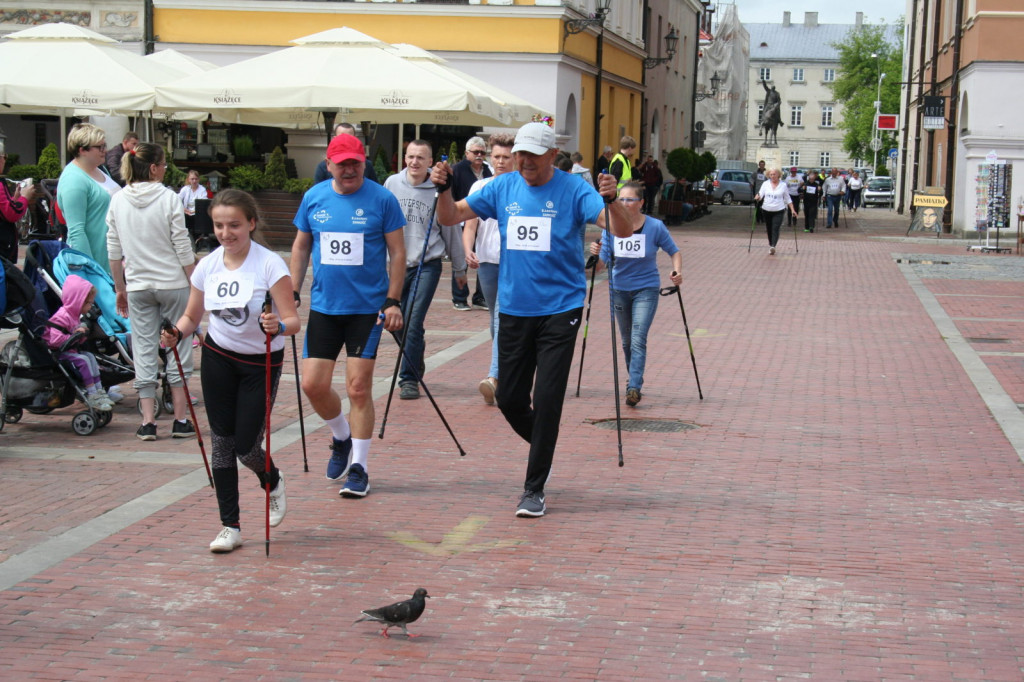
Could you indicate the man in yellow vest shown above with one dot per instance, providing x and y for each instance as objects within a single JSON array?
[{"x": 620, "y": 166}]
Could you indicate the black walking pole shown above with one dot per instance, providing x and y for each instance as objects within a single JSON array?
[
  {"x": 615, "y": 351},
  {"x": 668, "y": 291},
  {"x": 267, "y": 306},
  {"x": 298, "y": 396},
  {"x": 168, "y": 327},
  {"x": 795, "y": 241},
  {"x": 426, "y": 390},
  {"x": 591, "y": 264},
  {"x": 408, "y": 316}
]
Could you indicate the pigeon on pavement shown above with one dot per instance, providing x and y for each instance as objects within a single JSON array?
[{"x": 398, "y": 614}]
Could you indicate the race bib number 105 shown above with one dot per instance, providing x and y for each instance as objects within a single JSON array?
[
  {"x": 341, "y": 248},
  {"x": 630, "y": 247},
  {"x": 228, "y": 290},
  {"x": 529, "y": 233}
]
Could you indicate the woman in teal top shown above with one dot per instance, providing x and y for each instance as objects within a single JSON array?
[{"x": 84, "y": 191}]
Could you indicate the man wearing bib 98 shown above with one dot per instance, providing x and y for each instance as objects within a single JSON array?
[
  {"x": 349, "y": 227},
  {"x": 542, "y": 215}
]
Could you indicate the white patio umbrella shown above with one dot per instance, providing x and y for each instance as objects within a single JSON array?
[
  {"x": 338, "y": 71},
  {"x": 181, "y": 62},
  {"x": 65, "y": 70},
  {"x": 519, "y": 109}
]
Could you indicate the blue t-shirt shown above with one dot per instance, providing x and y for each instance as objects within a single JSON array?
[
  {"x": 636, "y": 264},
  {"x": 350, "y": 255},
  {"x": 541, "y": 230}
]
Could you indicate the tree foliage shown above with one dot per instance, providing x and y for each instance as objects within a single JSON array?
[{"x": 856, "y": 84}]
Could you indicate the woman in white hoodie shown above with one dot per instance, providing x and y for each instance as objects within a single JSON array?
[{"x": 146, "y": 227}]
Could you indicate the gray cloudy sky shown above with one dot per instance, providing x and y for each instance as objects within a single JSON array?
[{"x": 770, "y": 11}]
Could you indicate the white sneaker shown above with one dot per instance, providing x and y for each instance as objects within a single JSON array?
[
  {"x": 227, "y": 540},
  {"x": 115, "y": 395},
  {"x": 278, "y": 503},
  {"x": 99, "y": 401}
]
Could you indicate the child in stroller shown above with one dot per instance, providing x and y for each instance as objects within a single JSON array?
[{"x": 69, "y": 321}]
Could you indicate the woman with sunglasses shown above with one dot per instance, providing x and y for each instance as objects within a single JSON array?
[
  {"x": 635, "y": 281},
  {"x": 84, "y": 191}
]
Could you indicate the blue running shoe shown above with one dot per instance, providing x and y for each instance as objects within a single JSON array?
[
  {"x": 358, "y": 483},
  {"x": 341, "y": 458}
]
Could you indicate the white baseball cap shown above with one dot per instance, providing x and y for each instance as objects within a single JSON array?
[{"x": 535, "y": 138}]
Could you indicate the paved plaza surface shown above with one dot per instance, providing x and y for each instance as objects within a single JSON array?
[{"x": 846, "y": 502}]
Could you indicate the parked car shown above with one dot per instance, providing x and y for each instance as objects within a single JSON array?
[
  {"x": 730, "y": 186},
  {"x": 879, "y": 192}
]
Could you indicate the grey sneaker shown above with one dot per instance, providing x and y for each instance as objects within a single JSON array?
[
  {"x": 146, "y": 432},
  {"x": 531, "y": 504},
  {"x": 409, "y": 392}
]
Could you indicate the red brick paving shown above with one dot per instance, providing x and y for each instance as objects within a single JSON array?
[{"x": 847, "y": 509}]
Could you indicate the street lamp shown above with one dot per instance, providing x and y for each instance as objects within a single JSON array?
[
  {"x": 715, "y": 82},
  {"x": 574, "y": 26},
  {"x": 671, "y": 42}
]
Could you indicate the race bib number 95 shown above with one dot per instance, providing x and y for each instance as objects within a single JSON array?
[
  {"x": 341, "y": 248},
  {"x": 630, "y": 247},
  {"x": 228, "y": 290},
  {"x": 528, "y": 233}
]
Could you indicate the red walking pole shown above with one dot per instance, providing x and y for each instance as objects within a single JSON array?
[{"x": 168, "y": 327}]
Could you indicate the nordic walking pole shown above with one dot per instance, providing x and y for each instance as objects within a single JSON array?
[
  {"x": 267, "y": 306},
  {"x": 591, "y": 264},
  {"x": 437, "y": 408},
  {"x": 298, "y": 396},
  {"x": 168, "y": 327},
  {"x": 412, "y": 306},
  {"x": 753, "y": 222},
  {"x": 795, "y": 241},
  {"x": 668, "y": 291},
  {"x": 615, "y": 352}
]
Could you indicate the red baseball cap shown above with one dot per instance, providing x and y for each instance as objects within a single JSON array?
[
  {"x": 345, "y": 147},
  {"x": 793, "y": 169}
]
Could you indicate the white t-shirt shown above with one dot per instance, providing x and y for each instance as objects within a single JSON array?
[
  {"x": 488, "y": 239},
  {"x": 793, "y": 183},
  {"x": 109, "y": 184},
  {"x": 235, "y": 298},
  {"x": 775, "y": 198},
  {"x": 188, "y": 197}
]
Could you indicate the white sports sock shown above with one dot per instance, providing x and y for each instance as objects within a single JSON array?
[
  {"x": 360, "y": 451},
  {"x": 339, "y": 426}
]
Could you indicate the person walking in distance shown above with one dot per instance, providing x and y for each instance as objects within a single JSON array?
[
  {"x": 482, "y": 244},
  {"x": 415, "y": 194},
  {"x": 542, "y": 215},
  {"x": 350, "y": 228},
  {"x": 321, "y": 173},
  {"x": 854, "y": 187},
  {"x": 793, "y": 183},
  {"x": 620, "y": 165},
  {"x": 775, "y": 197},
  {"x": 466, "y": 172},
  {"x": 810, "y": 190},
  {"x": 834, "y": 188},
  {"x": 233, "y": 284},
  {"x": 116, "y": 153},
  {"x": 636, "y": 280}
]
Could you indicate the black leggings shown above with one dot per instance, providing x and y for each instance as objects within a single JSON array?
[
  {"x": 234, "y": 389},
  {"x": 773, "y": 223}
]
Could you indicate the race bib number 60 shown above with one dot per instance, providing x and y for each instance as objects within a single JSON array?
[
  {"x": 228, "y": 290},
  {"x": 528, "y": 233},
  {"x": 341, "y": 248}
]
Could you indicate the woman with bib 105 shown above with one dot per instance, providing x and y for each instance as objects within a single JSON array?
[
  {"x": 232, "y": 283},
  {"x": 635, "y": 280}
]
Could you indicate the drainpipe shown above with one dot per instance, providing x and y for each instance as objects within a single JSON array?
[
  {"x": 936, "y": 32},
  {"x": 954, "y": 105},
  {"x": 920, "y": 100},
  {"x": 148, "y": 39},
  {"x": 906, "y": 115}
]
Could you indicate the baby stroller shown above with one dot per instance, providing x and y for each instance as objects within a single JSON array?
[
  {"x": 31, "y": 375},
  {"x": 48, "y": 263}
]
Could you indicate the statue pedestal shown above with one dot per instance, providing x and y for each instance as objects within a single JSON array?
[{"x": 771, "y": 156}]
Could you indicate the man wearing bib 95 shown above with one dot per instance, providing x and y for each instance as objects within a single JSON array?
[
  {"x": 349, "y": 227},
  {"x": 542, "y": 215}
]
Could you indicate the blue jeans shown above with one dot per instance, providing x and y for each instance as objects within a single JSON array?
[
  {"x": 834, "y": 202},
  {"x": 414, "y": 317},
  {"x": 487, "y": 276},
  {"x": 634, "y": 311}
]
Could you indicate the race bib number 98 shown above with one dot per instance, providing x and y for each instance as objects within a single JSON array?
[
  {"x": 528, "y": 233},
  {"x": 341, "y": 248},
  {"x": 631, "y": 247},
  {"x": 228, "y": 290}
]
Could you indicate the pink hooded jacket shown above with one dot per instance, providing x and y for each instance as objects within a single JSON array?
[{"x": 68, "y": 316}]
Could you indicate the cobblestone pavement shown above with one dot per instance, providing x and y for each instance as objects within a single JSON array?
[{"x": 845, "y": 503}]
